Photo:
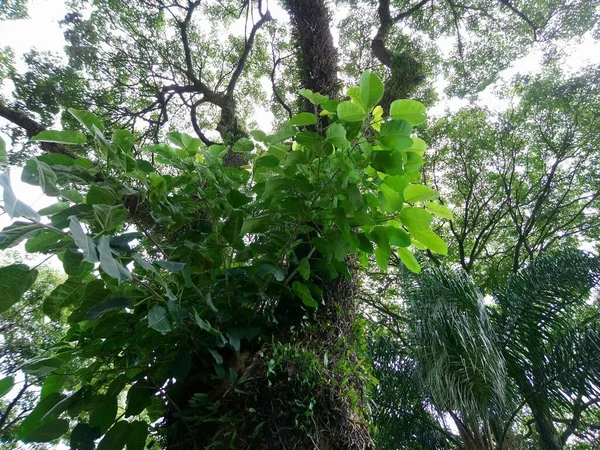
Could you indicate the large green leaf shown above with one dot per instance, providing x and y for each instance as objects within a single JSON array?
[
  {"x": 431, "y": 240},
  {"x": 42, "y": 365},
  {"x": 74, "y": 265},
  {"x": 15, "y": 280},
  {"x": 104, "y": 412},
  {"x": 139, "y": 397},
  {"x": 158, "y": 319},
  {"x": 60, "y": 137},
  {"x": 410, "y": 110},
  {"x": 395, "y": 134},
  {"x": 83, "y": 437},
  {"x": 390, "y": 162},
  {"x": 350, "y": 112},
  {"x": 12, "y": 206},
  {"x": 371, "y": 90},
  {"x": 314, "y": 97},
  {"x": 303, "y": 119},
  {"x": 48, "y": 241},
  {"x": 48, "y": 431},
  {"x": 416, "y": 219},
  {"x": 304, "y": 294},
  {"x": 110, "y": 217},
  {"x": 138, "y": 432},
  {"x": 38, "y": 173},
  {"x": 87, "y": 119},
  {"x": 419, "y": 193},
  {"x": 17, "y": 232},
  {"x": 116, "y": 437},
  {"x": 85, "y": 243},
  {"x": 63, "y": 295},
  {"x": 439, "y": 210},
  {"x": 6, "y": 385},
  {"x": 34, "y": 417},
  {"x": 110, "y": 265}
]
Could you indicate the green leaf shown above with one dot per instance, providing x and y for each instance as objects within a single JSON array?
[
  {"x": 303, "y": 119},
  {"x": 60, "y": 137},
  {"x": 52, "y": 384},
  {"x": 47, "y": 431},
  {"x": 158, "y": 319},
  {"x": 409, "y": 260},
  {"x": 3, "y": 154},
  {"x": 12, "y": 206},
  {"x": 83, "y": 437},
  {"x": 398, "y": 237},
  {"x": 100, "y": 195},
  {"x": 303, "y": 293},
  {"x": 439, "y": 210},
  {"x": 16, "y": 233},
  {"x": 395, "y": 134},
  {"x": 415, "y": 219},
  {"x": 72, "y": 194},
  {"x": 83, "y": 241},
  {"x": 430, "y": 240},
  {"x": 6, "y": 385},
  {"x": 110, "y": 265},
  {"x": 139, "y": 397},
  {"x": 185, "y": 141},
  {"x": 74, "y": 265},
  {"x": 389, "y": 162},
  {"x": 258, "y": 135},
  {"x": 393, "y": 201},
  {"x": 244, "y": 145},
  {"x": 116, "y": 437},
  {"x": 419, "y": 193},
  {"x": 314, "y": 97},
  {"x": 304, "y": 268},
  {"x": 105, "y": 411},
  {"x": 38, "y": 173},
  {"x": 336, "y": 134},
  {"x": 110, "y": 217},
  {"x": 418, "y": 146},
  {"x": 371, "y": 90},
  {"x": 54, "y": 208},
  {"x": 42, "y": 366},
  {"x": 109, "y": 305},
  {"x": 34, "y": 417},
  {"x": 15, "y": 280},
  {"x": 350, "y": 112},
  {"x": 410, "y": 110},
  {"x": 48, "y": 241},
  {"x": 63, "y": 295},
  {"x": 236, "y": 199},
  {"x": 267, "y": 161},
  {"x": 138, "y": 433},
  {"x": 87, "y": 119},
  {"x": 380, "y": 236}
]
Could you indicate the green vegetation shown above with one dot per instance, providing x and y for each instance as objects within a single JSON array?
[{"x": 359, "y": 276}]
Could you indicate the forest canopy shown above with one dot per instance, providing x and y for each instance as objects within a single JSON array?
[{"x": 351, "y": 224}]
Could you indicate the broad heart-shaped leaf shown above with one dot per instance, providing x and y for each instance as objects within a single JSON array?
[
  {"x": 184, "y": 141},
  {"x": 116, "y": 438},
  {"x": 415, "y": 219},
  {"x": 60, "y": 137},
  {"x": 14, "y": 282},
  {"x": 17, "y": 232},
  {"x": 47, "y": 431},
  {"x": 110, "y": 217},
  {"x": 63, "y": 295},
  {"x": 439, "y": 210},
  {"x": 303, "y": 293},
  {"x": 87, "y": 119},
  {"x": 371, "y": 90},
  {"x": 350, "y": 112},
  {"x": 431, "y": 240},
  {"x": 138, "y": 432},
  {"x": 419, "y": 193},
  {"x": 74, "y": 265},
  {"x": 158, "y": 319},
  {"x": 418, "y": 146},
  {"x": 110, "y": 265},
  {"x": 390, "y": 162},
  {"x": 336, "y": 134},
  {"x": 303, "y": 119},
  {"x": 412, "y": 111},
  {"x": 3, "y": 154},
  {"x": 12, "y": 206},
  {"x": 139, "y": 397},
  {"x": 6, "y": 385},
  {"x": 398, "y": 237},
  {"x": 83, "y": 437},
  {"x": 314, "y": 97},
  {"x": 83, "y": 241},
  {"x": 409, "y": 260},
  {"x": 34, "y": 418},
  {"x": 38, "y": 173},
  {"x": 395, "y": 135}
]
